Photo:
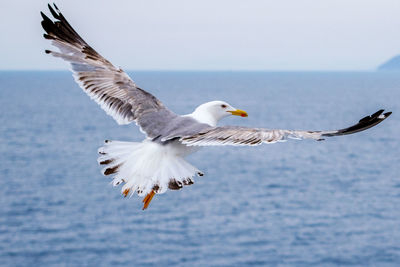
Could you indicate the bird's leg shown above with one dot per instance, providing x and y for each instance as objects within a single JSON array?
[
  {"x": 126, "y": 192},
  {"x": 147, "y": 199}
]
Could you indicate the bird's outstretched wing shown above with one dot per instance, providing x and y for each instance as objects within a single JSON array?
[
  {"x": 242, "y": 136},
  {"x": 109, "y": 86}
]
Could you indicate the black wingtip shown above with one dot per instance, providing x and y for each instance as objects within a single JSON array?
[
  {"x": 387, "y": 114},
  {"x": 44, "y": 16},
  {"x": 59, "y": 28},
  {"x": 364, "y": 124},
  {"x": 376, "y": 114},
  {"x": 48, "y": 37},
  {"x": 54, "y": 13}
]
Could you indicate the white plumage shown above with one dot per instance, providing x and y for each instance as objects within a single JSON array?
[{"x": 143, "y": 165}]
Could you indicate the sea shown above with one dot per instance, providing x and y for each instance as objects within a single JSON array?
[{"x": 298, "y": 203}]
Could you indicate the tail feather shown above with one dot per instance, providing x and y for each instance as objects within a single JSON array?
[
  {"x": 145, "y": 167},
  {"x": 114, "y": 154}
]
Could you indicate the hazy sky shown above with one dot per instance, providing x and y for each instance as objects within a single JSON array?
[{"x": 212, "y": 34}]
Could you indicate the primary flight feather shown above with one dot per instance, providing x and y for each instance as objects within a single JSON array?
[{"x": 157, "y": 163}]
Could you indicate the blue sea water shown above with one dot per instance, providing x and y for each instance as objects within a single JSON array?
[{"x": 299, "y": 203}]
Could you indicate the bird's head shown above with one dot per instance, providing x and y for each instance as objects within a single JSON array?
[{"x": 212, "y": 112}]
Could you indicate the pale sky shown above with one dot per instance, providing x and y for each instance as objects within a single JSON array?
[{"x": 211, "y": 34}]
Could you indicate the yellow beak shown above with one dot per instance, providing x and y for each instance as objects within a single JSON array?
[{"x": 239, "y": 112}]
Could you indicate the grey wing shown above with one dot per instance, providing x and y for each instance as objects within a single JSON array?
[
  {"x": 109, "y": 86},
  {"x": 242, "y": 136}
]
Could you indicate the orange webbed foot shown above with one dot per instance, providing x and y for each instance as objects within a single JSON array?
[
  {"x": 147, "y": 199},
  {"x": 126, "y": 192}
]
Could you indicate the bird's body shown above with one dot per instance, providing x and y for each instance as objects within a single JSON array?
[{"x": 157, "y": 163}]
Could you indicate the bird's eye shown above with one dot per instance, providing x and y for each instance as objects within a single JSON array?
[{"x": 223, "y": 106}]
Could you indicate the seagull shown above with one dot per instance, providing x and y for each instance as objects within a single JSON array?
[{"x": 158, "y": 162}]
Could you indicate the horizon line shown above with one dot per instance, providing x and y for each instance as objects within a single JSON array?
[{"x": 204, "y": 70}]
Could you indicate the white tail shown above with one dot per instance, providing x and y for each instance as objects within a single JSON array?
[{"x": 145, "y": 166}]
